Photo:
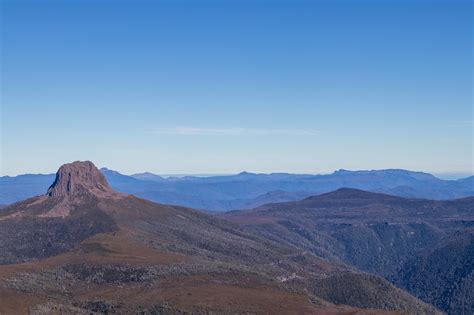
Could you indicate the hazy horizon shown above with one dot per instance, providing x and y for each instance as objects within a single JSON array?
[
  {"x": 445, "y": 176},
  {"x": 221, "y": 87}
]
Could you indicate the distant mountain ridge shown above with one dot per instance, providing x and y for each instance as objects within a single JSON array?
[{"x": 248, "y": 190}]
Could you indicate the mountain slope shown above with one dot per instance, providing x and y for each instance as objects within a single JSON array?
[
  {"x": 381, "y": 234},
  {"x": 87, "y": 248},
  {"x": 374, "y": 232},
  {"x": 444, "y": 275}
]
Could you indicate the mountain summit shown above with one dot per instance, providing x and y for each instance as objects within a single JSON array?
[
  {"x": 77, "y": 186},
  {"x": 79, "y": 178}
]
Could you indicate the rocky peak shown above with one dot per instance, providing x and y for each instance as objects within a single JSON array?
[{"x": 78, "y": 178}]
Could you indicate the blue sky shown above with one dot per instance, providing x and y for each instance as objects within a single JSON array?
[{"x": 225, "y": 86}]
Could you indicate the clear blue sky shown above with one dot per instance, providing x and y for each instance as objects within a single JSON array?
[{"x": 225, "y": 86}]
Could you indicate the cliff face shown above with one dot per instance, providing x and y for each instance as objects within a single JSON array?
[{"x": 78, "y": 178}]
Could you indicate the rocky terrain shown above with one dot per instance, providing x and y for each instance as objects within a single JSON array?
[{"x": 84, "y": 248}]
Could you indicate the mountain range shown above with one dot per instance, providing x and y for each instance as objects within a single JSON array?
[
  {"x": 249, "y": 190},
  {"x": 82, "y": 247}
]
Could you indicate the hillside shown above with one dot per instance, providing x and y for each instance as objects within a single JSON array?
[
  {"x": 444, "y": 275},
  {"x": 87, "y": 248},
  {"x": 376, "y": 233}
]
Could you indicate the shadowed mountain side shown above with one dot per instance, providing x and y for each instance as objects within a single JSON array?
[
  {"x": 443, "y": 275},
  {"x": 374, "y": 232},
  {"x": 381, "y": 234},
  {"x": 91, "y": 249}
]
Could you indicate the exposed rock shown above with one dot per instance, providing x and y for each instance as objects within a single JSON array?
[{"x": 78, "y": 178}]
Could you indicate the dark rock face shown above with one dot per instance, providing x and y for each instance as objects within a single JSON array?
[{"x": 78, "y": 178}]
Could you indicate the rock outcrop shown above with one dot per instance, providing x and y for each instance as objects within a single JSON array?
[{"x": 78, "y": 178}]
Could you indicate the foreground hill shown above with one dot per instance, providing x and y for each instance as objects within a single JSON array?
[
  {"x": 85, "y": 248},
  {"x": 377, "y": 233},
  {"x": 248, "y": 190}
]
